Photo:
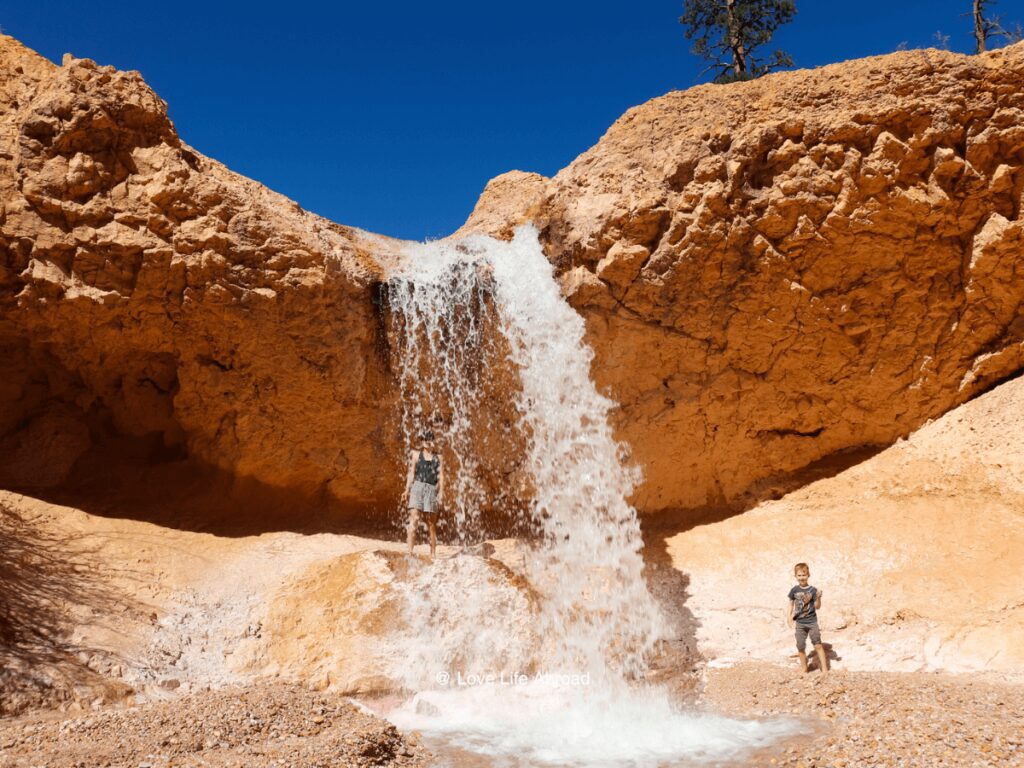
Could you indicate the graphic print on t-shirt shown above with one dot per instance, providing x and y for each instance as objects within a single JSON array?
[{"x": 803, "y": 603}]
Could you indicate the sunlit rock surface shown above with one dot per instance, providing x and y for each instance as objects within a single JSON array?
[
  {"x": 772, "y": 273},
  {"x": 776, "y": 271},
  {"x": 147, "y": 291}
]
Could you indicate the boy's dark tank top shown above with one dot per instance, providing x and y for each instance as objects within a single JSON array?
[{"x": 427, "y": 469}]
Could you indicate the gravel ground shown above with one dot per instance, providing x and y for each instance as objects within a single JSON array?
[
  {"x": 878, "y": 719},
  {"x": 259, "y": 725},
  {"x": 854, "y": 720}
]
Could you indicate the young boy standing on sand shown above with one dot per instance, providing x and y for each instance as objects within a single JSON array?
[{"x": 804, "y": 602}]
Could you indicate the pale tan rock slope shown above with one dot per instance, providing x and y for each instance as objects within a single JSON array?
[
  {"x": 919, "y": 551},
  {"x": 771, "y": 272},
  {"x": 98, "y": 608}
]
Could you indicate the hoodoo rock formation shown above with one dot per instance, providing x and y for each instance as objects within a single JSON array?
[{"x": 772, "y": 273}]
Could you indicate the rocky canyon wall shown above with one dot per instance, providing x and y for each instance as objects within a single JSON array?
[
  {"x": 772, "y": 273},
  {"x": 147, "y": 291},
  {"x": 780, "y": 271}
]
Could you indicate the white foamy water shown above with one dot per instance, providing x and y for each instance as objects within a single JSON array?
[
  {"x": 545, "y": 722},
  {"x": 554, "y": 677}
]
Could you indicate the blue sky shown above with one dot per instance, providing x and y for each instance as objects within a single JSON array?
[{"x": 392, "y": 116}]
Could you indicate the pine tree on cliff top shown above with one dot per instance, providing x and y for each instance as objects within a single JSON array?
[{"x": 727, "y": 32}]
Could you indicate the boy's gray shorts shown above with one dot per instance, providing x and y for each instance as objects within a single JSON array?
[
  {"x": 802, "y": 631},
  {"x": 423, "y": 496}
]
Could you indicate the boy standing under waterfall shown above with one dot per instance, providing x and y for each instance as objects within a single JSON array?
[
  {"x": 424, "y": 489},
  {"x": 804, "y": 602}
]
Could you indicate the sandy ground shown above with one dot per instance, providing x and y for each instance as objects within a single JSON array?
[
  {"x": 852, "y": 720},
  {"x": 878, "y": 719}
]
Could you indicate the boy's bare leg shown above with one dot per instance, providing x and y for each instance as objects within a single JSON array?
[
  {"x": 822, "y": 660},
  {"x": 414, "y": 519},
  {"x": 803, "y": 661},
  {"x": 431, "y": 522}
]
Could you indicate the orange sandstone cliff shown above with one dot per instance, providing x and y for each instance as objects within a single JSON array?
[
  {"x": 147, "y": 292},
  {"x": 774, "y": 275}
]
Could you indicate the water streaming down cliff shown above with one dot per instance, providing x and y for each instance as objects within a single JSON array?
[
  {"x": 491, "y": 354},
  {"x": 448, "y": 355},
  {"x": 487, "y": 349}
]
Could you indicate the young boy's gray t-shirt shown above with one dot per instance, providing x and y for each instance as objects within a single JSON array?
[{"x": 803, "y": 608}]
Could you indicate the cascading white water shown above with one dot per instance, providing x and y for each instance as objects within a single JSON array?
[
  {"x": 463, "y": 313},
  {"x": 442, "y": 329},
  {"x": 590, "y": 573}
]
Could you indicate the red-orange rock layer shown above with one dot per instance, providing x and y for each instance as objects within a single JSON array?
[
  {"x": 145, "y": 290},
  {"x": 772, "y": 273},
  {"x": 776, "y": 271}
]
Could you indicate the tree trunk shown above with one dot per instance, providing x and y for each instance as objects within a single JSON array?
[
  {"x": 979, "y": 26},
  {"x": 739, "y": 55}
]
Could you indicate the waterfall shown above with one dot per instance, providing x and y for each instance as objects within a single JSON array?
[
  {"x": 485, "y": 347},
  {"x": 590, "y": 572},
  {"x": 445, "y": 342},
  {"x": 488, "y": 350}
]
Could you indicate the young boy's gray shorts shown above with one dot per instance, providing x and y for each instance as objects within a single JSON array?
[
  {"x": 802, "y": 631},
  {"x": 423, "y": 496}
]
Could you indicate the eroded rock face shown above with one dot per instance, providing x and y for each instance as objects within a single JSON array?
[
  {"x": 776, "y": 271},
  {"x": 147, "y": 291},
  {"x": 772, "y": 273}
]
